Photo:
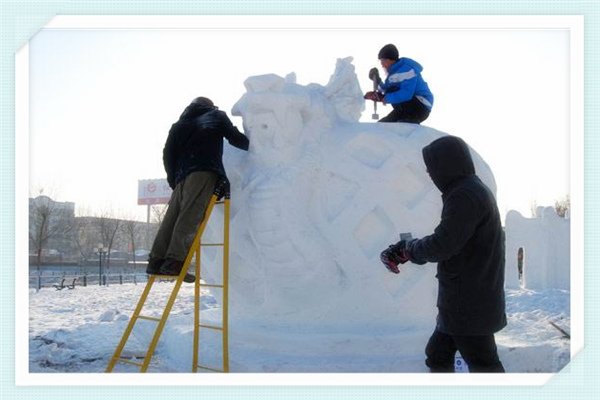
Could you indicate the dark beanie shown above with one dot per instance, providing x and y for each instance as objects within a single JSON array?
[{"x": 389, "y": 51}]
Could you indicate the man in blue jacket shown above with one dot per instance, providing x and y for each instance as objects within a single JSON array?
[
  {"x": 192, "y": 158},
  {"x": 404, "y": 88},
  {"x": 468, "y": 245}
]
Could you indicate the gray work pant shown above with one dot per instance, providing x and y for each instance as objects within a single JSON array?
[{"x": 185, "y": 213}]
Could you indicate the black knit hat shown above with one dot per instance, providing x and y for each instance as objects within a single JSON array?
[{"x": 389, "y": 52}]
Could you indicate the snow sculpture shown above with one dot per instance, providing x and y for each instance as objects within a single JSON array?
[
  {"x": 545, "y": 241},
  {"x": 317, "y": 198}
]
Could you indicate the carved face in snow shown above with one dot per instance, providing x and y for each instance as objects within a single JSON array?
[{"x": 273, "y": 122}]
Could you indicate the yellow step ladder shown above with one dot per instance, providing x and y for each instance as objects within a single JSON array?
[{"x": 195, "y": 249}]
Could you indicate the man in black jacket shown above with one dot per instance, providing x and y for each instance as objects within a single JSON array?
[
  {"x": 192, "y": 157},
  {"x": 468, "y": 246}
]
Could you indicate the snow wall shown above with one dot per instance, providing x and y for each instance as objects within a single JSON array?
[
  {"x": 316, "y": 199},
  {"x": 545, "y": 242}
]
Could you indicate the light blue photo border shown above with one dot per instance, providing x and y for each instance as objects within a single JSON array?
[{"x": 20, "y": 20}]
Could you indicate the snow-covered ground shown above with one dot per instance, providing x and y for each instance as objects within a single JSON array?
[{"x": 78, "y": 330}]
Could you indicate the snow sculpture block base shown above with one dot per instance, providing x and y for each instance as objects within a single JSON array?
[{"x": 544, "y": 243}]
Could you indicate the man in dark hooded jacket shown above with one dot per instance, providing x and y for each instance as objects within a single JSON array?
[
  {"x": 192, "y": 158},
  {"x": 468, "y": 246}
]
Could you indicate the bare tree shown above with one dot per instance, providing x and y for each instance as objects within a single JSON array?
[
  {"x": 132, "y": 230},
  {"x": 533, "y": 207},
  {"x": 85, "y": 236},
  {"x": 108, "y": 227},
  {"x": 48, "y": 219},
  {"x": 562, "y": 206},
  {"x": 158, "y": 212}
]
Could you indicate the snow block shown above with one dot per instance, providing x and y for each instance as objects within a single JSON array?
[
  {"x": 317, "y": 197},
  {"x": 544, "y": 245}
]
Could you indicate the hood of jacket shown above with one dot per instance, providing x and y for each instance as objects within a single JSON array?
[
  {"x": 448, "y": 160},
  {"x": 195, "y": 110},
  {"x": 407, "y": 64}
]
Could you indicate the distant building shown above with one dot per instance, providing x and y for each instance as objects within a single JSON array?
[
  {"x": 50, "y": 227},
  {"x": 65, "y": 238}
]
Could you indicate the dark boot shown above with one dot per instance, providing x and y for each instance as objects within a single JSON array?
[
  {"x": 173, "y": 267},
  {"x": 154, "y": 264}
]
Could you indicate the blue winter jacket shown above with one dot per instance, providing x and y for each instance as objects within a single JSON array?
[{"x": 404, "y": 82}]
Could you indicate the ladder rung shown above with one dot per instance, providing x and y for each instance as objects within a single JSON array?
[
  {"x": 211, "y": 244},
  {"x": 210, "y": 369},
  {"x": 149, "y": 318},
  {"x": 216, "y": 328},
  {"x": 129, "y": 362},
  {"x": 210, "y": 285},
  {"x": 220, "y": 202}
]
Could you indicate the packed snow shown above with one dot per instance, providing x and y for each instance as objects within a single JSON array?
[
  {"x": 314, "y": 201},
  {"x": 78, "y": 331}
]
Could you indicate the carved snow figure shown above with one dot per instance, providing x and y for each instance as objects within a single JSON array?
[{"x": 317, "y": 198}]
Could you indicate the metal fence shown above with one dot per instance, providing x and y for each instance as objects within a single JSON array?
[{"x": 71, "y": 281}]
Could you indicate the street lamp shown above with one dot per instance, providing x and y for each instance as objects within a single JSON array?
[{"x": 100, "y": 250}]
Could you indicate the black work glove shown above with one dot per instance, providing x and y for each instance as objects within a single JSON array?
[
  {"x": 222, "y": 189},
  {"x": 395, "y": 254}
]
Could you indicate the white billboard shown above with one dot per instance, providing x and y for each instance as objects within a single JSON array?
[{"x": 153, "y": 191}]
